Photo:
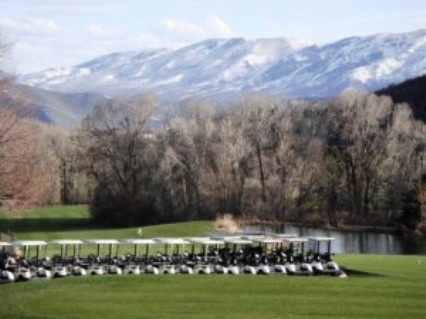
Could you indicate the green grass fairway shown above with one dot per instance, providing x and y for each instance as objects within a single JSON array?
[
  {"x": 383, "y": 287},
  {"x": 73, "y": 222},
  {"x": 378, "y": 286},
  {"x": 46, "y": 220}
]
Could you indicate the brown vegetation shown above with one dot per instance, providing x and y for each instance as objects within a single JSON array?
[
  {"x": 227, "y": 223},
  {"x": 357, "y": 159},
  {"x": 20, "y": 180},
  {"x": 263, "y": 159}
]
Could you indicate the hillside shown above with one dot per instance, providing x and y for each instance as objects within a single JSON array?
[
  {"x": 63, "y": 109},
  {"x": 413, "y": 92}
]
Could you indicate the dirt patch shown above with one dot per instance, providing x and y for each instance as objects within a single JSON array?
[{"x": 227, "y": 223}]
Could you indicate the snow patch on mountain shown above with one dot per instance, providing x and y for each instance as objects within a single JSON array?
[
  {"x": 362, "y": 74},
  {"x": 220, "y": 67}
]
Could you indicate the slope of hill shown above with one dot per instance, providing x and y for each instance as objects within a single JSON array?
[
  {"x": 234, "y": 67},
  {"x": 413, "y": 92},
  {"x": 63, "y": 109}
]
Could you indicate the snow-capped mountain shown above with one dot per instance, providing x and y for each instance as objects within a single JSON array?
[{"x": 226, "y": 67}]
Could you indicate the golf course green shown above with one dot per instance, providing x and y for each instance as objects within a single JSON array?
[{"x": 378, "y": 286}]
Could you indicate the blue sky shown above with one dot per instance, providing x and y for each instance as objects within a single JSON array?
[{"x": 49, "y": 33}]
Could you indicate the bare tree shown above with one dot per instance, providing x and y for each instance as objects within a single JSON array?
[
  {"x": 19, "y": 141},
  {"x": 121, "y": 155},
  {"x": 368, "y": 133},
  {"x": 233, "y": 163},
  {"x": 256, "y": 113},
  {"x": 189, "y": 157}
]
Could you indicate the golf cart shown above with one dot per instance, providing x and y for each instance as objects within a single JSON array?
[
  {"x": 97, "y": 262},
  {"x": 296, "y": 258},
  {"x": 7, "y": 263},
  {"x": 207, "y": 254},
  {"x": 62, "y": 261},
  {"x": 30, "y": 267},
  {"x": 270, "y": 254},
  {"x": 4, "y": 249},
  {"x": 132, "y": 266},
  {"x": 169, "y": 263},
  {"x": 322, "y": 262},
  {"x": 234, "y": 251}
]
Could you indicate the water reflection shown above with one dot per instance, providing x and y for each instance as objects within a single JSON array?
[{"x": 353, "y": 242}]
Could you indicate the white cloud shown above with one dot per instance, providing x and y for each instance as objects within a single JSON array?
[
  {"x": 183, "y": 28},
  {"x": 213, "y": 26},
  {"x": 67, "y": 7},
  {"x": 42, "y": 41},
  {"x": 104, "y": 32},
  {"x": 28, "y": 56},
  {"x": 30, "y": 26},
  {"x": 28, "y": 48},
  {"x": 219, "y": 27}
]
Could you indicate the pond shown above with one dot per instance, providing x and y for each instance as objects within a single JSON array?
[{"x": 350, "y": 242}]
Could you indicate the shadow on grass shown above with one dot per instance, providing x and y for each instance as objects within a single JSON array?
[
  {"x": 45, "y": 224},
  {"x": 359, "y": 273}
]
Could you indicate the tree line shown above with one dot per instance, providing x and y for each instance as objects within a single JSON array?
[
  {"x": 410, "y": 91},
  {"x": 356, "y": 159}
]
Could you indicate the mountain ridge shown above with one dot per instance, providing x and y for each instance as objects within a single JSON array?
[
  {"x": 63, "y": 109},
  {"x": 237, "y": 66}
]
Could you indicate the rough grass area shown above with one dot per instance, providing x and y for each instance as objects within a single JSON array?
[
  {"x": 378, "y": 286},
  {"x": 381, "y": 287}
]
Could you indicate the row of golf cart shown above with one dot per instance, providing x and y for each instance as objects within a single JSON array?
[{"x": 254, "y": 254}]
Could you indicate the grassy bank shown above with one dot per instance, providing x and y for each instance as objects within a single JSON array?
[
  {"x": 378, "y": 287},
  {"x": 73, "y": 222},
  {"x": 46, "y": 220}
]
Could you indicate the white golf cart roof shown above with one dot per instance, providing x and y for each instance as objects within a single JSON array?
[
  {"x": 101, "y": 241},
  {"x": 268, "y": 240},
  {"x": 65, "y": 242},
  {"x": 285, "y": 235},
  {"x": 295, "y": 240},
  {"x": 136, "y": 241},
  {"x": 23, "y": 243},
  {"x": 237, "y": 241},
  {"x": 3, "y": 243},
  {"x": 206, "y": 241},
  {"x": 225, "y": 237},
  {"x": 321, "y": 238},
  {"x": 253, "y": 237},
  {"x": 222, "y": 234},
  {"x": 171, "y": 241},
  {"x": 196, "y": 239}
]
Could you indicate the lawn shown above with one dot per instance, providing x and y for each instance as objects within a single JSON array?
[
  {"x": 381, "y": 287},
  {"x": 378, "y": 286},
  {"x": 73, "y": 222}
]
